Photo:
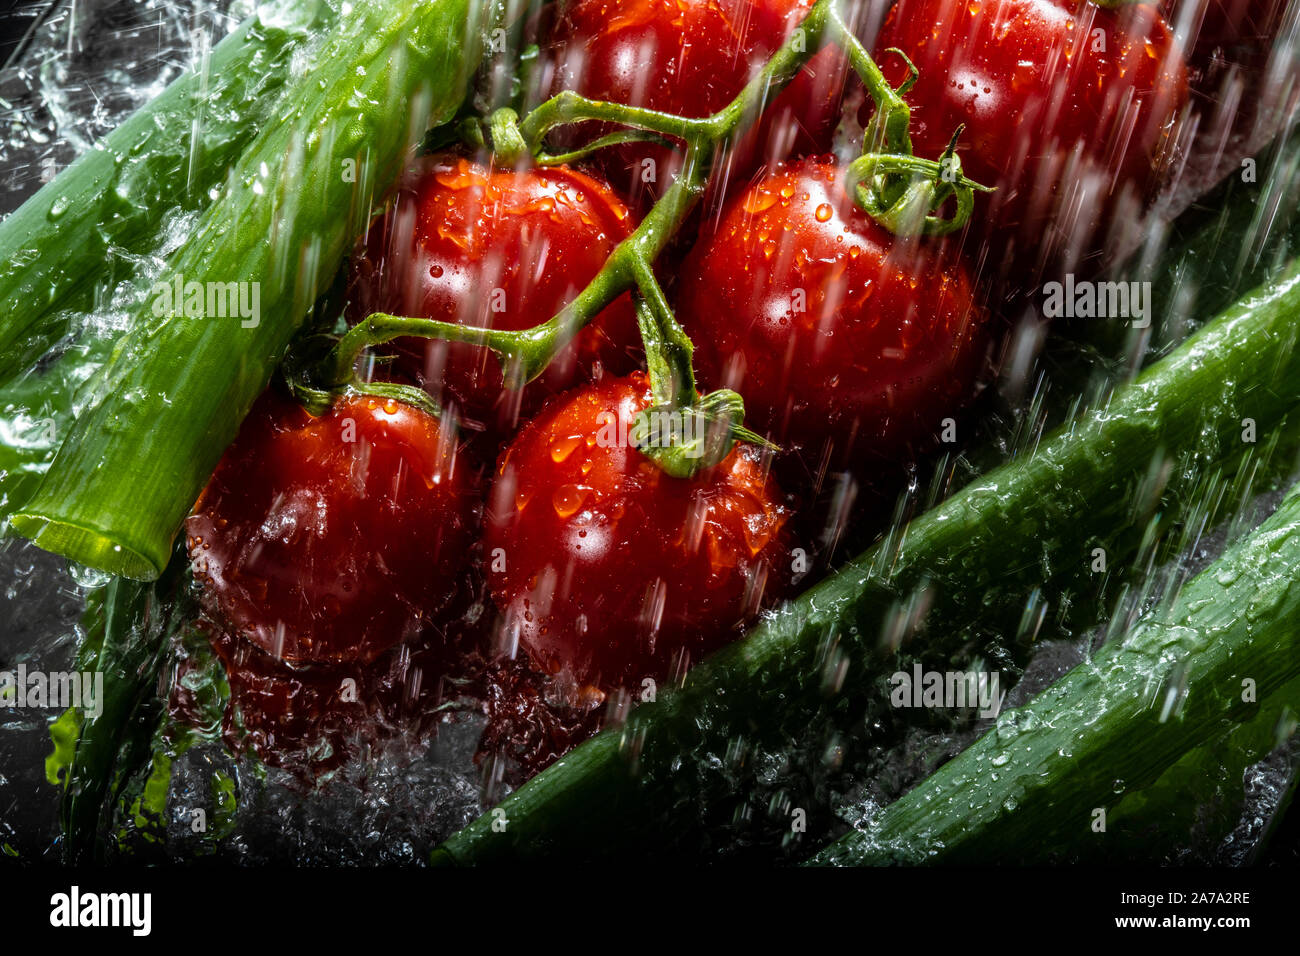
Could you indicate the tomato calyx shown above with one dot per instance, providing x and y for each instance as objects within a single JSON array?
[
  {"x": 683, "y": 432},
  {"x": 508, "y": 145},
  {"x": 685, "y": 440},
  {"x": 907, "y": 194},
  {"x": 903, "y": 192}
]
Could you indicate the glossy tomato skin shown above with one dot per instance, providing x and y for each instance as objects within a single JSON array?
[
  {"x": 841, "y": 338},
  {"x": 692, "y": 58},
  {"x": 499, "y": 248},
  {"x": 605, "y": 568},
  {"x": 1068, "y": 108},
  {"x": 331, "y": 539}
]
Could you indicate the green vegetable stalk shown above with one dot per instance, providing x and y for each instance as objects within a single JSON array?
[
  {"x": 166, "y": 157},
  {"x": 1198, "y": 801},
  {"x": 129, "y": 626},
  {"x": 1049, "y": 771},
  {"x": 1086, "y": 482},
  {"x": 234, "y": 295}
]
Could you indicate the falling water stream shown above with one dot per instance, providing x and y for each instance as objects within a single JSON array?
[{"x": 84, "y": 67}]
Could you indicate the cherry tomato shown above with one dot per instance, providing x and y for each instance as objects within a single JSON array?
[
  {"x": 333, "y": 538},
  {"x": 498, "y": 248},
  {"x": 692, "y": 58},
  {"x": 1067, "y": 108},
  {"x": 832, "y": 330},
  {"x": 607, "y": 569}
]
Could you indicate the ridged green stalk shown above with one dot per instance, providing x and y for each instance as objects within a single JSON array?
[
  {"x": 164, "y": 158},
  {"x": 1046, "y": 775},
  {"x": 177, "y": 387}
]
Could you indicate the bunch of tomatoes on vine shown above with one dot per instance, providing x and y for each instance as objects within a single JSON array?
[{"x": 607, "y": 352}]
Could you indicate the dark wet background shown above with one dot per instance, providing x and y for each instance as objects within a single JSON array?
[{"x": 69, "y": 73}]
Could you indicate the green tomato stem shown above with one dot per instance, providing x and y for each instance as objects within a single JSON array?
[
  {"x": 893, "y": 116},
  {"x": 668, "y": 349},
  {"x": 569, "y": 107},
  {"x": 526, "y": 354}
]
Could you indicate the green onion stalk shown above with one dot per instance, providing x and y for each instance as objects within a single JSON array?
[
  {"x": 129, "y": 629},
  {"x": 177, "y": 387},
  {"x": 1198, "y": 802},
  {"x": 165, "y": 158},
  {"x": 1045, "y": 777},
  {"x": 96, "y": 229}
]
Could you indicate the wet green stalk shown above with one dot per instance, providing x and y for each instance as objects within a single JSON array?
[
  {"x": 1049, "y": 771},
  {"x": 179, "y": 385},
  {"x": 1195, "y": 804},
  {"x": 128, "y": 627},
  {"x": 164, "y": 158}
]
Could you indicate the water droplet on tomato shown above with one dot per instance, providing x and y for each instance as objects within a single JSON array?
[
  {"x": 567, "y": 499},
  {"x": 564, "y": 447}
]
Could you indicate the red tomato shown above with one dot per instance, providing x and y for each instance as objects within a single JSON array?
[
  {"x": 1067, "y": 107},
  {"x": 496, "y": 248},
  {"x": 832, "y": 330},
  {"x": 606, "y": 568},
  {"x": 333, "y": 538},
  {"x": 692, "y": 58}
]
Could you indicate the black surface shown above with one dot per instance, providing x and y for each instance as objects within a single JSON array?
[{"x": 18, "y": 18}]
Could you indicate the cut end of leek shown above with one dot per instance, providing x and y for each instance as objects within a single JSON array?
[{"x": 86, "y": 546}]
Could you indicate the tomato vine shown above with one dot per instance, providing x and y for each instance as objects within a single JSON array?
[{"x": 907, "y": 195}]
